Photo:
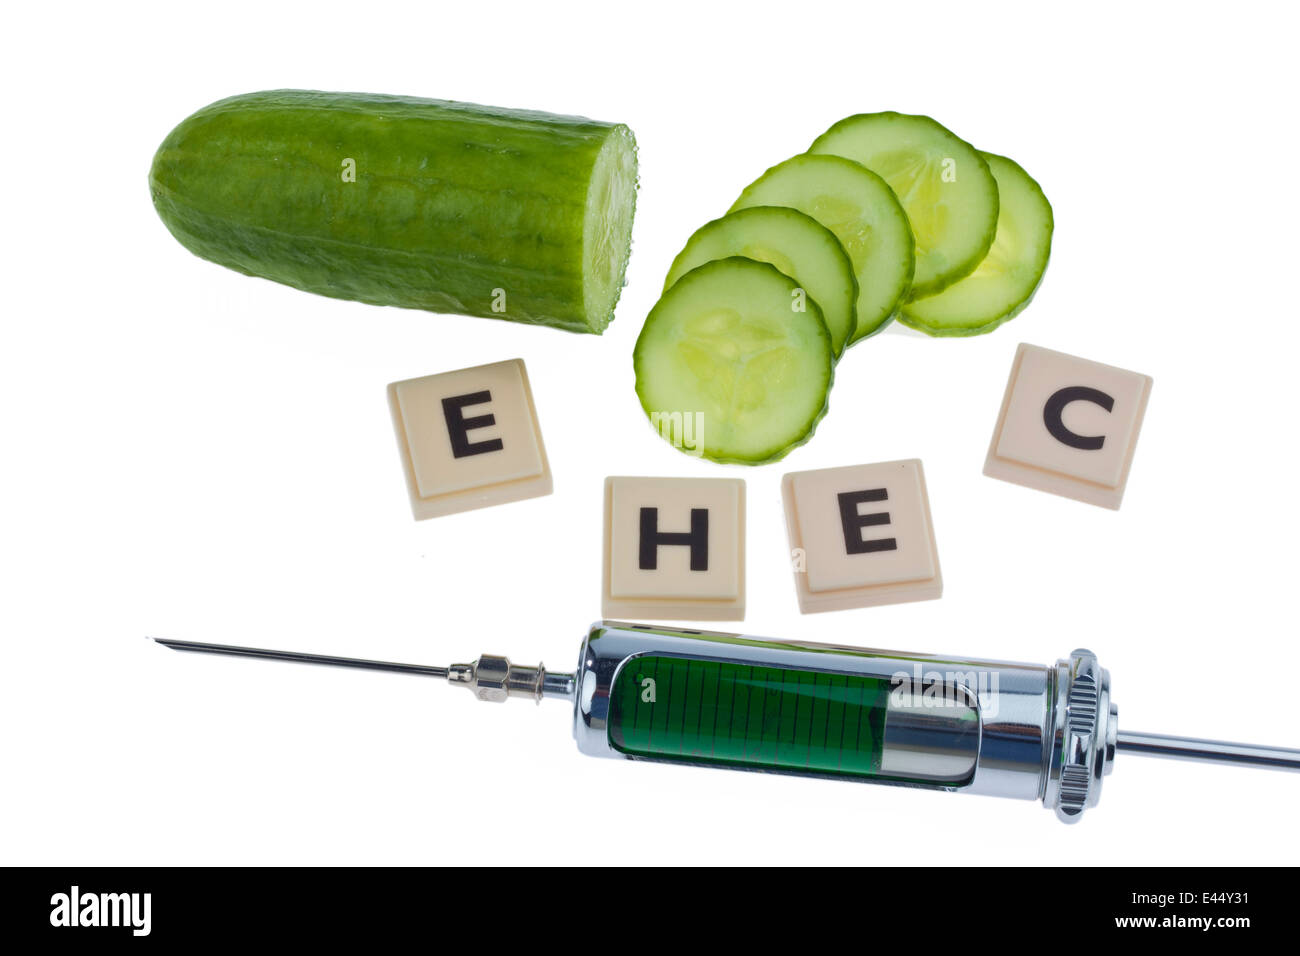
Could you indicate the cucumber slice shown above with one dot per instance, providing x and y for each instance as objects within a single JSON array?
[
  {"x": 944, "y": 184},
  {"x": 724, "y": 351},
  {"x": 1002, "y": 285},
  {"x": 865, "y": 215},
  {"x": 796, "y": 244}
]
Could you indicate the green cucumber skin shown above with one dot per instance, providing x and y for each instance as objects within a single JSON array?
[
  {"x": 962, "y": 333},
  {"x": 451, "y": 201},
  {"x": 957, "y": 332}
]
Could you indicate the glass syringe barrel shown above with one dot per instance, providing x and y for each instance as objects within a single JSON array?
[
  {"x": 752, "y": 703},
  {"x": 788, "y": 719}
]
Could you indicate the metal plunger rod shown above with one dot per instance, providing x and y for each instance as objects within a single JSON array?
[{"x": 1209, "y": 751}]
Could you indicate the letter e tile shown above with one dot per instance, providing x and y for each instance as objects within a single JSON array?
[
  {"x": 861, "y": 536},
  {"x": 469, "y": 439}
]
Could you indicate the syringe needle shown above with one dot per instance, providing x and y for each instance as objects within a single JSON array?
[
  {"x": 300, "y": 658},
  {"x": 1210, "y": 751},
  {"x": 490, "y": 677}
]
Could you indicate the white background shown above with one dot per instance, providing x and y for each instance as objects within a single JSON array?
[{"x": 193, "y": 453}]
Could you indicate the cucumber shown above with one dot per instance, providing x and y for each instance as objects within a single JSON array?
[
  {"x": 1002, "y": 285},
  {"x": 796, "y": 244},
  {"x": 863, "y": 213},
  {"x": 451, "y": 207},
  {"x": 944, "y": 184},
  {"x": 725, "y": 351}
]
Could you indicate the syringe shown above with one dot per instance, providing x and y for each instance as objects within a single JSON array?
[{"x": 640, "y": 692}]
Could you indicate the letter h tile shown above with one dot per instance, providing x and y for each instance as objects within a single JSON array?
[{"x": 674, "y": 549}]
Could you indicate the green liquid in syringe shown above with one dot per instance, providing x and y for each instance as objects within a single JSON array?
[{"x": 740, "y": 715}]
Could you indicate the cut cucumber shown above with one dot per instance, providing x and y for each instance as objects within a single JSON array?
[
  {"x": 1002, "y": 285},
  {"x": 393, "y": 200},
  {"x": 863, "y": 213},
  {"x": 796, "y": 244},
  {"x": 944, "y": 184},
  {"x": 725, "y": 351}
]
